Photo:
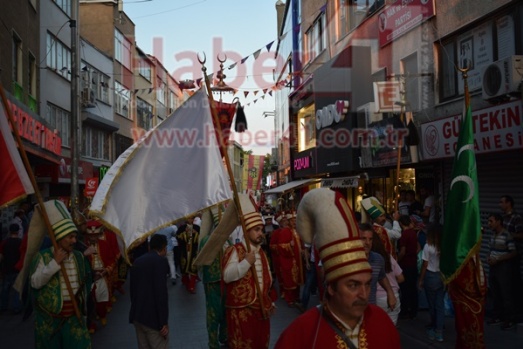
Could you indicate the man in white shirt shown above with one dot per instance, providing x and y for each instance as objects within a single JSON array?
[{"x": 248, "y": 281}]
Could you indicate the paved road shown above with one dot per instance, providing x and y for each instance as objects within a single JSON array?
[{"x": 187, "y": 325}]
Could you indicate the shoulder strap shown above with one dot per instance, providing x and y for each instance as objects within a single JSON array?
[{"x": 336, "y": 329}]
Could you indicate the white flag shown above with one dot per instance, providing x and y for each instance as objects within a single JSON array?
[{"x": 172, "y": 172}]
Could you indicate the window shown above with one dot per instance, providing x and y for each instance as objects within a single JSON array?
[
  {"x": 352, "y": 12},
  {"x": 173, "y": 101},
  {"x": 95, "y": 143},
  {"x": 315, "y": 39},
  {"x": 65, "y": 5},
  {"x": 306, "y": 128},
  {"x": 144, "y": 68},
  {"x": 97, "y": 82},
  {"x": 122, "y": 100},
  {"x": 31, "y": 84},
  {"x": 487, "y": 42},
  {"x": 122, "y": 49},
  {"x": 17, "y": 59},
  {"x": 58, "y": 56},
  {"x": 161, "y": 93},
  {"x": 60, "y": 120},
  {"x": 144, "y": 114}
]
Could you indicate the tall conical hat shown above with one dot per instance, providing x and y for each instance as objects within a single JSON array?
[
  {"x": 325, "y": 216},
  {"x": 373, "y": 207},
  {"x": 229, "y": 222}
]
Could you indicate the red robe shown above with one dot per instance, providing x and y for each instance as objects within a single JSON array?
[
  {"x": 275, "y": 258},
  {"x": 467, "y": 292},
  {"x": 248, "y": 326},
  {"x": 290, "y": 263},
  {"x": 311, "y": 331},
  {"x": 109, "y": 257}
]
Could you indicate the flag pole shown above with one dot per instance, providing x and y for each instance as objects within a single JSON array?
[
  {"x": 403, "y": 103},
  {"x": 236, "y": 198},
  {"x": 38, "y": 195}
]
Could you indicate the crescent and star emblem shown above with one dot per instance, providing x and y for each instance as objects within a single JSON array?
[{"x": 462, "y": 178}]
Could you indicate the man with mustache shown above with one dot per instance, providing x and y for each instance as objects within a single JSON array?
[
  {"x": 56, "y": 325},
  {"x": 345, "y": 319}
]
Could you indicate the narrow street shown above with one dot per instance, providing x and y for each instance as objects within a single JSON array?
[{"x": 188, "y": 331}]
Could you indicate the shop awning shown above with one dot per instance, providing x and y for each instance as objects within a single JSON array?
[
  {"x": 291, "y": 185},
  {"x": 342, "y": 182}
]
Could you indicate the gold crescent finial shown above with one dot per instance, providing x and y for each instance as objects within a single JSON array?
[
  {"x": 202, "y": 62},
  {"x": 464, "y": 71},
  {"x": 219, "y": 60}
]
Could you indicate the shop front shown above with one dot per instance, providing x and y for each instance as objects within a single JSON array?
[
  {"x": 41, "y": 142},
  {"x": 498, "y": 145},
  {"x": 55, "y": 180}
]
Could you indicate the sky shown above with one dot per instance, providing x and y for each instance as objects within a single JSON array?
[{"x": 177, "y": 31}]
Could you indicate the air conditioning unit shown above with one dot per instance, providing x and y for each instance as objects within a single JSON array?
[
  {"x": 502, "y": 78},
  {"x": 87, "y": 98}
]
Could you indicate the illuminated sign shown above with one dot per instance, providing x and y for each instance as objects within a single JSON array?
[
  {"x": 332, "y": 113},
  {"x": 302, "y": 163}
]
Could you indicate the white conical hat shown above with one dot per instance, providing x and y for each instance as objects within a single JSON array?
[
  {"x": 229, "y": 222},
  {"x": 373, "y": 207},
  {"x": 325, "y": 216}
]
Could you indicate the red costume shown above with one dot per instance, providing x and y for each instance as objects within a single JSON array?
[
  {"x": 467, "y": 292},
  {"x": 288, "y": 249},
  {"x": 103, "y": 263},
  {"x": 311, "y": 330},
  {"x": 275, "y": 258},
  {"x": 248, "y": 324}
]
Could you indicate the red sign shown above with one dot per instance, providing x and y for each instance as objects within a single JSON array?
[
  {"x": 91, "y": 184},
  {"x": 34, "y": 131},
  {"x": 387, "y": 95},
  {"x": 62, "y": 173},
  {"x": 401, "y": 16}
]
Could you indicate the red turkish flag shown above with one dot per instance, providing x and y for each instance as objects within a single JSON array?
[
  {"x": 14, "y": 180},
  {"x": 225, "y": 113}
]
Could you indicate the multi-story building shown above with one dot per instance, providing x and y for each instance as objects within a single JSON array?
[
  {"x": 350, "y": 52},
  {"x": 19, "y": 77},
  {"x": 394, "y": 65},
  {"x": 107, "y": 27},
  {"x": 120, "y": 88}
]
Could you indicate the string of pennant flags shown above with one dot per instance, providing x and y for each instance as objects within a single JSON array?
[{"x": 261, "y": 93}]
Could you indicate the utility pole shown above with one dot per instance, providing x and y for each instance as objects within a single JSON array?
[{"x": 75, "y": 106}]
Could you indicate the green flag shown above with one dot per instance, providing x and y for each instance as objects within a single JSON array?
[{"x": 462, "y": 228}]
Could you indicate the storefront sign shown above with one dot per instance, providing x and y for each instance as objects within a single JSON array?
[
  {"x": 387, "y": 96},
  {"x": 401, "y": 16},
  {"x": 495, "y": 129},
  {"x": 91, "y": 184},
  {"x": 34, "y": 131},
  {"x": 346, "y": 182},
  {"x": 102, "y": 171},
  {"x": 332, "y": 113},
  {"x": 302, "y": 163}
]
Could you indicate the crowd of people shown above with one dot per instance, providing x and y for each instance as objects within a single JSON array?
[{"x": 366, "y": 267}]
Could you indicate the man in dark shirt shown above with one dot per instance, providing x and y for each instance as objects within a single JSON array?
[
  {"x": 9, "y": 255},
  {"x": 149, "y": 297}
]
